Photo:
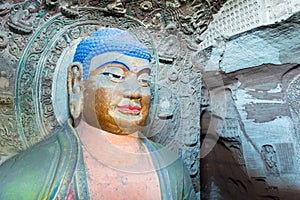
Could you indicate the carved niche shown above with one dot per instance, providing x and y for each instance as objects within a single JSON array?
[{"x": 37, "y": 42}]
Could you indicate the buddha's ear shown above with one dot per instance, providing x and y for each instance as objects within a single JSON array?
[{"x": 75, "y": 91}]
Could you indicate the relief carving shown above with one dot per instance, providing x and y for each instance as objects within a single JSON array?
[
  {"x": 290, "y": 83},
  {"x": 167, "y": 118},
  {"x": 24, "y": 17},
  {"x": 156, "y": 21},
  {"x": 70, "y": 8},
  {"x": 67, "y": 155},
  {"x": 146, "y": 5},
  {"x": 175, "y": 72},
  {"x": 165, "y": 109},
  {"x": 10, "y": 141},
  {"x": 293, "y": 100},
  {"x": 169, "y": 46},
  {"x": 269, "y": 156},
  {"x": 3, "y": 40},
  {"x": 175, "y": 54},
  {"x": 6, "y": 97},
  {"x": 197, "y": 22},
  {"x": 286, "y": 155},
  {"x": 4, "y": 82},
  {"x": 116, "y": 7},
  {"x": 192, "y": 161},
  {"x": 52, "y": 2},
  {"x": 4, "y": 8},
  {"x": 205, "y": 100}
]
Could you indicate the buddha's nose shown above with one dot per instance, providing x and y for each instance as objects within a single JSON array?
[{"x": 131, "y": 87}]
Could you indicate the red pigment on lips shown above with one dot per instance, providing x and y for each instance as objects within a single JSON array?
[{"x": 130, "y": 107}]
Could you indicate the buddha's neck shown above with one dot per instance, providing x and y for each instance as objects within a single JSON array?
[
  {"x": 121, "y": 139},
  {"x": 88, "y": 133}
]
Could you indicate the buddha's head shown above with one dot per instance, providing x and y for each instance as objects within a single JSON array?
[{"x": 115, "y": 69}]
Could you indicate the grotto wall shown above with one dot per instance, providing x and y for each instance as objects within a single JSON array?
[
  {"x": 228, "y": 70},
  {"x": 255, "y": 74}
]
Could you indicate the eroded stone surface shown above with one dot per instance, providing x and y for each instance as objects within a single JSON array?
[
  {"x": 274, "y": 44},
  {"x": 258, "y": 68}
]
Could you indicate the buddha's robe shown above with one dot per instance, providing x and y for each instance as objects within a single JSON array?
[{"x": 55, "y": 169}]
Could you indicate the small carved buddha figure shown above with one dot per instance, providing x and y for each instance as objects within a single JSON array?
[
  {"x": 107, "y": 157},
  {"x": 4, "y": 83}
]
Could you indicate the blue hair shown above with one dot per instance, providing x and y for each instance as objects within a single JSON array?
[{"x": 108, "y": 40}]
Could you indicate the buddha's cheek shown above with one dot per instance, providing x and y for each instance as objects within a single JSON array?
[
  {"x": 111, "y": 119},
  {"x": 145, "y": 103},
  {"x": 105, "y": 104}
]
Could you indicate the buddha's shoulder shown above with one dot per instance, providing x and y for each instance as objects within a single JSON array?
[
  {"x": 29, "y": 174},
  {"x": 25, "y": 175}
]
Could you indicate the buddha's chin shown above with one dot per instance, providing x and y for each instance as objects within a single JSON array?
[
  {"x": 122, "y": 126},
  {"x": 120, "y": 123},
  {"x": 120, "y": 130}
]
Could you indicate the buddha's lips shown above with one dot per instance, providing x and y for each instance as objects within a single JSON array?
[{"x": 129, "y": 108}]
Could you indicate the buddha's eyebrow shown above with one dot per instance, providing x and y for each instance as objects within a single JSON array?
[
  {"x": 144, "y": 70},
  {"x": 114, "y": 64}
]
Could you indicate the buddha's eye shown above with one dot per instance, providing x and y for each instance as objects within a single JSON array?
[
  {"x": 114, "y": 77},
  {"x": 114, "y": 74},
  {"x": 144, "y": 79}
]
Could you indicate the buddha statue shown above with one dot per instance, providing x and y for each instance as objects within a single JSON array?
[{"x": 101, "y": 153}]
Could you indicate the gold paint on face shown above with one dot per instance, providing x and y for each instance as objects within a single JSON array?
[{"x": 117, "y": 94}]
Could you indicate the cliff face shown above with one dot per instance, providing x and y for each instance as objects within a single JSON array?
[{"x": 260, "y": 74}]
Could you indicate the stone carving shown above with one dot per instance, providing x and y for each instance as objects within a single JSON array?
[
  {"x": 25, "y": 17},
  {"x": 166, "y": 107},
  {"x": 6, "y": 97},
  {"x": 269, "y": 156},
  {"x": 286, "y": 157},
  {"x": 83, "y": 160},
  {"x": 70, "y": 8},
  {"x": 168, "y": 117},
  {"x": 231, "y": 128},
  {"x": 251, "y": 87},
  {"x": 10, "y": 140},
  {"x": 192, "y": 161},
  {"x": 52, "y": 2},
  {"x": 185, "y": 84},
  {"x": 4, "y": 8},
  {"x": 156, "y": 21},
  {"x": 293, "y": 93},
  {"x": 3, "y": 40},
  {"x": 146, "y": 5},
  {"x": 40, "y": 44},
  {"x": 196, "y": 23},
  {"x": 216, "y": 5},
  {"x": 116, "y": 7},
  {"x": 239, "y": 16},
  {"x": 4, "y": 82},
  {"x": 293, "y": 99},
  {"x": 204, "y": 97},
  {"x": 277, "y": 10},
  {"x": 169, "y": 47}
]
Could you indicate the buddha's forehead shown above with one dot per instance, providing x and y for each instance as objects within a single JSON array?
[{"x": 132, "y": 63}]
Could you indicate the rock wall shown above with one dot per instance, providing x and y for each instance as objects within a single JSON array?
[{"x": 258, "y": 82}]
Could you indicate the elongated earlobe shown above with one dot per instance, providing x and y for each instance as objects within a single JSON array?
[{"x": 75, "y": 92}]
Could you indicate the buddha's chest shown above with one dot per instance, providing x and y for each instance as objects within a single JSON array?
[{"x": 108, "y": 182}]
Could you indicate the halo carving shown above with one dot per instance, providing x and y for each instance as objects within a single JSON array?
[{"x": 41, "y": 94}]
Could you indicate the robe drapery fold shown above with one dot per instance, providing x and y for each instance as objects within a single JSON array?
[{"x": 54, "y": 169}]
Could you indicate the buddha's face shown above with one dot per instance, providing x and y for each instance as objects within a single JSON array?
[{"x": 117, "y": 93}]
